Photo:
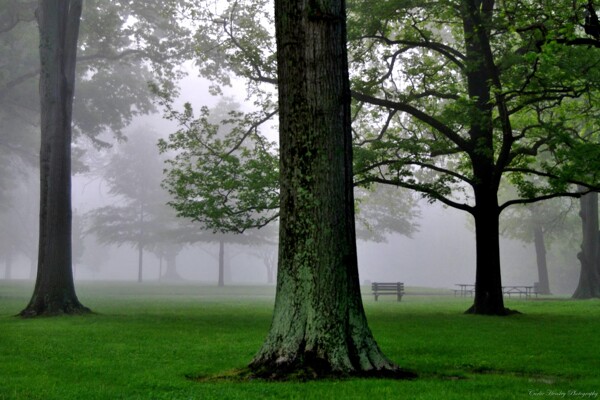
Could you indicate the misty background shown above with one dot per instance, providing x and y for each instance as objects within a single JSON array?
[{"x": 439, "y": 253}]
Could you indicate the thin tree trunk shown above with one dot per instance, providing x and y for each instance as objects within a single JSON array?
[
  {"x": 589, "y": 279},
  {"x": 140, "y": 262},
  {"x": 540, "y": 256},
  {"x": 319, "y": 326},
  {"x": 160, "y": 267},
  {"x": 221, "y": 282},
  {"x": 141, "y": 245},
  {"x": 54, "y": 291},
  {"x": 8, "y": 265}
]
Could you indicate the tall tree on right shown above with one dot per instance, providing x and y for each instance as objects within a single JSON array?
[
  {"x": 589, "y": 256},
  {"x": 479, "y": 97}
]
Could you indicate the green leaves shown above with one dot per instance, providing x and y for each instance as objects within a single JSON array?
[{"x": 222, "y": 172}]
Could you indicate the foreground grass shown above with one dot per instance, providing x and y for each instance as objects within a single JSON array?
[{"x": 146, "y": 339}]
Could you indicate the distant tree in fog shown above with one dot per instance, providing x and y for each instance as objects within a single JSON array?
[
  {"x": 383, "y": 210},
  {"x": 139, "y": 215},
  {"x": 541, "y": 224},
  {"x": 18, "y": 222}
]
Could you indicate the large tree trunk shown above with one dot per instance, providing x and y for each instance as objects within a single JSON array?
[
  {"x": 54, "y": 291},
  {"x": 319, "y": 327},
  {"x": 589, "y": 279},
  {"x": 488, "y": 280}
]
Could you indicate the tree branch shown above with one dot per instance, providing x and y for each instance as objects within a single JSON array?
[
  {"x": 420, "y": 115},
  {"x": 450, "y": 53},
  {"x": 542, "y": 198},
  {"x": 419, "y": 188}
]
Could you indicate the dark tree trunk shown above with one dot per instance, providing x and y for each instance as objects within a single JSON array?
[
  {"x": 589, "y": 279},
  {"x": 488, "y": 280},
  {"x": 319, "y": 327},
  {"x": 486, "y": 178},
  {"x": 54, "y": 291},
  {"x": 540, "y": 256},
  {"x": 221, "y": 282}
]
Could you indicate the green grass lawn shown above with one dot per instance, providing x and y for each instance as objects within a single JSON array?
[{"x": 145, "y": 339}]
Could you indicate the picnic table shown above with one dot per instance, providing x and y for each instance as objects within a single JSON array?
[
  {"x": 526, "y": 291},
  {"x": 465, "y": 289}
]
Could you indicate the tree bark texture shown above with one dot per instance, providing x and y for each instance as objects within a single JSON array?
[
  {"x": 319, "y": 327},
  {"x": 589, "y": 256},
  {"x": 54, "y": 291}
]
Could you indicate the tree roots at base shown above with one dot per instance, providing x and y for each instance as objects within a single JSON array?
[
  {"x": 318, "y": 370},
  {"x": 52, "y": 310},
  {"x": 500, "y": 313}
]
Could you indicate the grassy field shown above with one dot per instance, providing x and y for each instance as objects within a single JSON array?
[{"x": 145, "y": 339}]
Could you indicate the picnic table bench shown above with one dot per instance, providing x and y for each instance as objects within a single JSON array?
[{"x": 388, "y": 288}]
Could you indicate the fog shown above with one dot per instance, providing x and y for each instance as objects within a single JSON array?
[{"x": 440, "y": 254}]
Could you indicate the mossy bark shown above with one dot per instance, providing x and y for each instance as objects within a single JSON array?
[
  {"x": 54, "y": 291},
  {"x": 319, "y": 327}
]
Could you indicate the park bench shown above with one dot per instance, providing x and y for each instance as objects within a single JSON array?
[{"x": 385, "y": 288}]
